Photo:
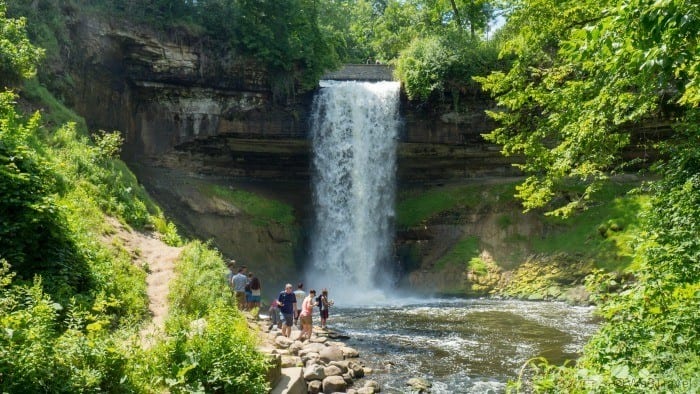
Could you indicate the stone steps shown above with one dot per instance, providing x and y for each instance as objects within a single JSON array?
[{"x": 291, "y": 381}]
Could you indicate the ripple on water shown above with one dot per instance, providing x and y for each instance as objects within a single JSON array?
[{"x": 462, "y": 346}]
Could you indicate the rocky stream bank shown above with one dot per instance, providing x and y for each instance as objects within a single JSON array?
[{"x": 321, "y": 364}]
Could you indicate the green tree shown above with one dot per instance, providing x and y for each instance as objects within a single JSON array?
[
  {"x": 18, "y": 57},
  {"x": 585, "y": 76}
]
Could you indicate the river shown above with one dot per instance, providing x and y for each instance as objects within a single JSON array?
[{"x": 461, "y": 346}]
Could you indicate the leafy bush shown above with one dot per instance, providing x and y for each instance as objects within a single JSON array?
[
  {"x": 210, "y": 347},
  {"x": 200, "y": 280},
  {"x": 423, "y": 66},
  {"x": 33, "y": 229},
  {"x": 18, "y": 57},
  {"x": 650, "y": 340},
  {"x": 445, "y": 64},
  {"x": 37, "y": 355}
]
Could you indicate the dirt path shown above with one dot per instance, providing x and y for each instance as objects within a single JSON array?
[{"x": 148, "y": 250}]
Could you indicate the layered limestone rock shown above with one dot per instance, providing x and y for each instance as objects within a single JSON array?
[
  {"x": 187, "y": 102},
  {"x": 179, "y": 95}
]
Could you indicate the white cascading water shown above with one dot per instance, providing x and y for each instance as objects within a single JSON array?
[{"x": 354, "y": 132}]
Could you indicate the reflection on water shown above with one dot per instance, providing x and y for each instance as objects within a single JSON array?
[{"x": 462, "y": 346}]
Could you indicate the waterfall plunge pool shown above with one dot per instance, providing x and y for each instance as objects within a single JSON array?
[{"x": 461, "y": 346}]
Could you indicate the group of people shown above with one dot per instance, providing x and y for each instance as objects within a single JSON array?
[
  {"x": 297, "y": 309},
  {"x": 295, "y": 306},
  {"x": 245, "y": 286}
]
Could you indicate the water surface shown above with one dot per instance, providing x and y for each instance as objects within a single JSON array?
[{"x": 462, "y": 346}]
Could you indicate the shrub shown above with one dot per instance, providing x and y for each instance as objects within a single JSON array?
[
  {"x": 37, "y": 355},
  {"x": 210, "y": 347}
]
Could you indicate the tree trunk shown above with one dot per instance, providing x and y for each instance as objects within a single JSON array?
[{"x": 456, "y": 11}]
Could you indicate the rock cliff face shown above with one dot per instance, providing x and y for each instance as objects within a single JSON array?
[
  {"x": 193, "y": 106},
  {"x": 186, "y": 102}
]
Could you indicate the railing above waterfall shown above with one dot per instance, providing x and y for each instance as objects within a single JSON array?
[{"x": 362, "y": 72}]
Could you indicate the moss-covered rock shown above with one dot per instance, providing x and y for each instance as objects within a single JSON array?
[{"x": 558, "y": 277}]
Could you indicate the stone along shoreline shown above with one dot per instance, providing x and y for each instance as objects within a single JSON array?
[{"x": 321, "y": 364}]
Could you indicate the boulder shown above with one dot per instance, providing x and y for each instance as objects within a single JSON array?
[
  {"x": 311, "y": 348},
  {"x": 357, "y": 370},
  {"x": 317, "y": 339},
  {"x": 349, "y": 352},
  {"x": 343, "y": 365},
  {"x": 314, "y": 358},
  {"x": 332, "y": 370},
  {"x": 331, "y": 353},
  {"x": 348, "y": 379},
  {"x": 419, "y": 384},
  {"x": 314, "y": 386},
  {"x": 374, "y": 385},
  {"x": 332, "y": 384},
  {"x": 283, "y": 342},
  {"x": 314, "y": 372},
  {"x": 295, "y": 347},
  {"x": 291, "y": 361},
  {"x": 366, "y": 390}
]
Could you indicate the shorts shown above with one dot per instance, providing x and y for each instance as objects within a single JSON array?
[
  {"x": 324, "y": 314},
  {"x": 248, "y": 296},
  {"x": 288, "y": 319},
  {"x": 240, "y": 298},
  {"x": 254, "y": 298},
  {"x": 306, "y": 320}
]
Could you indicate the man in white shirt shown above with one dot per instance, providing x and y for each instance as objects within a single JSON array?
[{"x": 300, "y": 294}]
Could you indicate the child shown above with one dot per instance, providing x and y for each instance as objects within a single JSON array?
[
  {"x": 323, "y": 304},
  {"x": 275, "y": 319}
]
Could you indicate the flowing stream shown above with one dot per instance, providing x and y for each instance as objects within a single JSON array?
[{"x": 461, "y": 346}]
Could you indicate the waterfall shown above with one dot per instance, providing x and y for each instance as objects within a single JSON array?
[{"x": 354, "y": 132}]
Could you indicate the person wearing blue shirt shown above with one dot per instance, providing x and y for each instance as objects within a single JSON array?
[
  {"x": 239, "y": 281},
  {"x": 288, "y": 305}
]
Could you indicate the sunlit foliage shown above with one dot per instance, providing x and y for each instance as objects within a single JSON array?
[{"x": 586, "y": 75}]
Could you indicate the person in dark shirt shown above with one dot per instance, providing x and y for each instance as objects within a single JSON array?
[
  {"x": 323, "y": 305},
  {"x": 288, "y": 305}
]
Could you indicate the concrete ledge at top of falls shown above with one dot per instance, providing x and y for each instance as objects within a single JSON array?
[{"x": 362, "y": 72}]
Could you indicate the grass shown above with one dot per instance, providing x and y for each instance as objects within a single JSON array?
[
  {"x": 464, "y": 251},
  {"x": 262, "y": 209},
  {"x": 603, "y": 232},
  {"x": 415, "y": 207},
  {"x": 55, "y": 113}
]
